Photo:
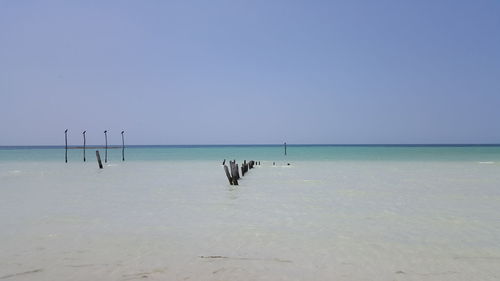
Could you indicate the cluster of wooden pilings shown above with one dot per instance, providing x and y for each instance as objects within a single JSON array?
[{"x": 234, "y": 175}]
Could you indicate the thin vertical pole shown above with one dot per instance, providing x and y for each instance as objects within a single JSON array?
[
  {"x": 123, "y": 147},
  {"x": 106, "y": 151},
  {"x": 84, "y": 143},
  {"x": 66, "y": 145},
  {"x": 285, "y": 148}
]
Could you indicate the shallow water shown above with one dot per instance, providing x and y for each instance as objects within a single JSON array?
[
  {"x": 485, "y": 153},
  {"x": 317, "y": 219}
]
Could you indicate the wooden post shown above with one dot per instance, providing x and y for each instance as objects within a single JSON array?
[
  {"x": 231, "y": 166},
  {"x": 98, "y": 159},
  {"x": 285, "y": 148},
  {"x": 228, "y": 175},
  {"x": 123, "y": 147},
  {"x": 106, "y": 147},
  {"x": 244, "y": 168},
  {"x": 234, "y": 172},
  {"x": 84, "y": 143},
  {"x": 66, "y": 145}
]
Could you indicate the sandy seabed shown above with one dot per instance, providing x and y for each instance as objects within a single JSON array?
[{"x": 313, "y": 220}]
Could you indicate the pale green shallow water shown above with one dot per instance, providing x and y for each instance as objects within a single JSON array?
[{"x": 336, "y": 213}]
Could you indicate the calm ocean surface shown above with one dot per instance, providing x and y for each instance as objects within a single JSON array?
[
  {"x": 168, "y": 213},
  {"x": 264, "y": 152}
]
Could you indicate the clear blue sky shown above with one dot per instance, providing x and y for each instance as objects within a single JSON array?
[{"x": 229, "y": 72}]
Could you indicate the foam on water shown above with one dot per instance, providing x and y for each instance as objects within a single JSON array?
[{"x": 312, "y": 220}]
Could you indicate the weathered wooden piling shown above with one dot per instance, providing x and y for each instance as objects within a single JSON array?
[
  {"x": 233, "y": 176},
  {"x": 106, "y": 147},
  {"x": 232, "y": 165},
  {"x": 244, "y": 168},
  {"x": 234, "y": 172},
  {"x": 235, "y": 180},
  {"x": 98, "y": 159},
  {"x": 84, "y": 143},
  {"x": 66, "y": 145},
  {"x": 229, "y": 178},
  {"x": 123, "y": 147}
]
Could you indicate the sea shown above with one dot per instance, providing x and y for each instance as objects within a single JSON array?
[{"x": 320, "y": 212}]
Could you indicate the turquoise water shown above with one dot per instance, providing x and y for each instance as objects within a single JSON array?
[
  {"x": 168, "y": 213},
  {"x": 264, "y": 152}
]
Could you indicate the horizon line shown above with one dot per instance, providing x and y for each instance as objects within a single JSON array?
[{"x": 268, "y": 144}]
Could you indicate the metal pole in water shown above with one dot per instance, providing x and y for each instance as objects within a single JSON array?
[
  {"x": 123, "y": 147},
  {"x": 84, "y": 143},
  {"x": 106, "y": 147},
  {"x": 66, "y": 145}
]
